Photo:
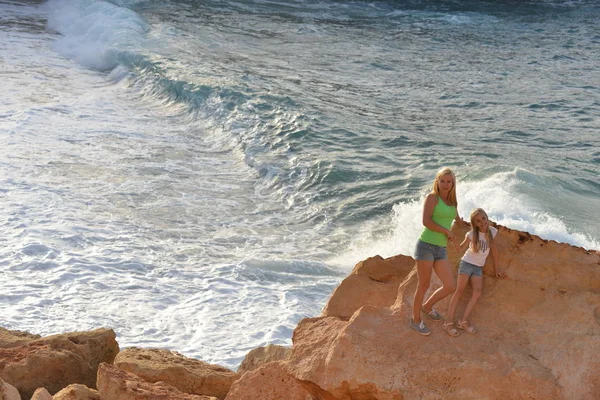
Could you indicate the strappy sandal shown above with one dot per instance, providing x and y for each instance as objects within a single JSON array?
[
  {"x": 449, "y": 327},
  {"x": 466, "y": 327}
]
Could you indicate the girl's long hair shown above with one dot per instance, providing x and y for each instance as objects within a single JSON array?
[
  {"x": 436, "y": 185},
  {"x": 475, "y": 241}
]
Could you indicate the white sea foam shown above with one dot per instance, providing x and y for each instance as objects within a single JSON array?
[
  {"x": 508, "y": 200},
  {"x": 94, "y": 33},
  {"x": 502, "y": 195}
]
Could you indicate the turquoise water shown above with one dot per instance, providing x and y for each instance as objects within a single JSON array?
[{"x": 201, "y": 175}]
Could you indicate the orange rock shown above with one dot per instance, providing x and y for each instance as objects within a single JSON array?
[
  {"x": 373, "y": 281},
  {"x": 263, "y": 355},
  {"x": 77, "y": 392},
  {"x": 55, "y": 362},
  {"x": 9, "y": 338},
  {"x": 538, "y": 333},
  {"x": 115, "y": 384},
  {"x": 271, "y": 381},
  {"x": 186, "y": 374},
  {"x": 376, "y": 355},
  {"x": 8, "y": 391},
  {"x": 41, "y": 394}
]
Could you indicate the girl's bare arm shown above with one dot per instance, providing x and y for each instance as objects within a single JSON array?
[
  {"x": 464, "y": 245},
  {"x": 497, "y": 272}
]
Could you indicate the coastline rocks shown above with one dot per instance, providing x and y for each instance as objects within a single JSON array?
[
  {"x": 271, "y": 381},
  {"x": 56, "y": 361},
  {"x": 373, "y": 281},
  {"x": 9, "y": 338},
  {"x": 263, "y": 355},
  {"x": 77, "y": 392},
  {"x": 41, "y": 394},
  {"x": 186, "y": 374},
  {"x": 538, "y": 332},
  {"x": 8, "y": 392},
  {"x": 116, "y": 384}
]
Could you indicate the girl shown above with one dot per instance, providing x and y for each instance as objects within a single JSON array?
[
  {"x": 480, "y": 243},
  {"x": 439, "y": 210}
]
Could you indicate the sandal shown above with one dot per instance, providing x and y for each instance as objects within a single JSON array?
[
  {"x": 449, "y": 327},
  {"x": 466, "y": 327}
]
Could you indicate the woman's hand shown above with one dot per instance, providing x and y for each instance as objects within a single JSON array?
[{"x": 452, "y": 237}]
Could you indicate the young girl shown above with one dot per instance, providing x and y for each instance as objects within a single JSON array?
[{"x": 480, "y": 243}]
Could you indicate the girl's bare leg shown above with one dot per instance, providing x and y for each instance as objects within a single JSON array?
[
  {"x": 443, "y": 270},
  {"x": 476, "y": 285},
  {"x": 424, "y": 269},
  {"x": 463, "y": 281}
]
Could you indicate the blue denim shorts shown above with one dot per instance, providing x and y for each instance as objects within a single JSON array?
[
  {"x": 430, "y": 252},
  {"x": 465, "y": 268}
]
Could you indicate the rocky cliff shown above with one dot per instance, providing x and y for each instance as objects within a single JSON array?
[{"x": 538, "y": 333}]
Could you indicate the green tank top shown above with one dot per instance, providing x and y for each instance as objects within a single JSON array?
[{"x": 443, "y": 215}]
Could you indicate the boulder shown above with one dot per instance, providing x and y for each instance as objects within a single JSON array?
[
  {"x": 41, "y": 394},
  {"x": 271, "y": 381},
  {"x": 57, "y": 361},
  {"x": 186, "y": 374},
  {"x": 263, "y": 355},
  {"x": 115, "y": 384},
  {"x": 8, "y": 391},
  {"x": 77, "y": 391},
  {"x": 10, "y": 338},
  {"x": 373, "y": 281}
]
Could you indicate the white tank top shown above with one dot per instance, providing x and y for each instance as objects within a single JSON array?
[{"x": 484, "y": 248}]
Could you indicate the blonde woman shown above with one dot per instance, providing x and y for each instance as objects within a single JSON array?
[{"x": 439, "y": 210}]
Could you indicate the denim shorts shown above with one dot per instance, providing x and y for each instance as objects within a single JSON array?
[
  {"x": 465, "y": 268},
  {"x": 429, "y": 252}
]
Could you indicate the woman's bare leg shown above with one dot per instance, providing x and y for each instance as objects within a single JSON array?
[
  {"x": 443, "y": 270},
  {"x": 424, "y": 269}
]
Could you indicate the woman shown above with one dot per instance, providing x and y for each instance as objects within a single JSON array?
[{"x": 439, "y": 210}]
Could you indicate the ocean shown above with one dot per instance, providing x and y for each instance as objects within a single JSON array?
[{"x": 201, "y": 175}]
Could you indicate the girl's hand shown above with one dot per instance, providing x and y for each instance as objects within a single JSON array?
[{"x": 500, "y": 274}]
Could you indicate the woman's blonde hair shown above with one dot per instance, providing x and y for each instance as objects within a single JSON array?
[
  {"x": 475, "y": 241},
  {"x": 436, "y": 185}
]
